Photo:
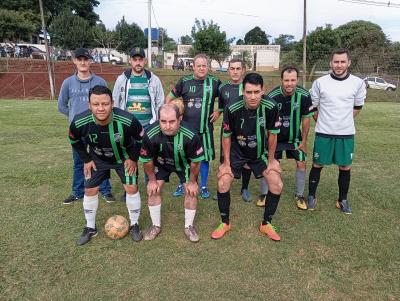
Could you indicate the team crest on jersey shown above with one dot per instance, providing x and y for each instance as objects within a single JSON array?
[
  {"x": 261, "y": 121},
  {"x": 252, "y": 144},
  {"x": 316, "y": 155},
  {"x": 117, "y": 137},
  {"x": 179, "y": 147},
  {"x": 190, "y": 103},
  {"x": 286, "y": 124}
]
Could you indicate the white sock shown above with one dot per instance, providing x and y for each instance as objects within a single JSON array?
[
  {"x": 155, "y": 214},
  {"x": 189, "y": 217},
  {"x": 263, "y": 186},
  {"x": 90, "y": 205},
  {"x": 133, "y": 205}
]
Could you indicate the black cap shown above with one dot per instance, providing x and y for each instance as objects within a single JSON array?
[
  {"x": 83, "y": 52},
  {"x": 137, "y": 51}
]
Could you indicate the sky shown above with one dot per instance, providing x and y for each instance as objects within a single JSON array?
[{"x": 237, "y": 17}]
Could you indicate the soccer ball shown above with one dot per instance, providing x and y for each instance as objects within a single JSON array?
[
  {"x": 179, "y": 103},
  {"x": 116, "y": 227}
]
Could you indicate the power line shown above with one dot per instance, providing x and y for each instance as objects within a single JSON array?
[{"x": 374, "y": 3}]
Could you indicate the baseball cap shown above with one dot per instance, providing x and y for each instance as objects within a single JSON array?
[
  {"x": 83, "y": 52},
  {"x": 137, "y": 51}
]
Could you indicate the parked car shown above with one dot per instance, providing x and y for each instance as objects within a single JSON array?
[
  {"x": 374, "y": 82},
  {"x": 31, "y": 52},
  {"x": 115, "y": 60}
]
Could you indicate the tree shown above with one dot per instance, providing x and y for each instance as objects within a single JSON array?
[
  {"x": 186, "y": 40},
  {"x": 168, "y": 44},
  {"x": 240, "y": 42},
  {"x": 208, "y": 39},
  {"x": 130, "y": 35},
  {"x": 104, "y": 38},
  {"x": 70, "y": 31},
  {"x": 286, "y": 41},
  {"x": 15, "y": 26},
  {"x": 256, "y": 36}
]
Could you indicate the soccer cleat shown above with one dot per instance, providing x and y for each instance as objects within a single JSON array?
[
  {"x": 220, "y": 231},
  {"x": 343, "y": 206},
  {"x": 70, "y": 199},
  {"x": 86, "y": 235},
  {"x": 311, "y": 202},
  {"x": 246, "y": 196},
  {"x": 270, "y": 231},
  {"x": 152, "y": 233},
  {"x": 180, "y": 190},
  {"x": 135, "y": 232},
  {"x": 204, "y": 193},
  {"x": 109, "y": 198},
  {"x": 191, "y": 234},
  {"x": 300, "y": 202},
  {"x": 261, "y": 200}
]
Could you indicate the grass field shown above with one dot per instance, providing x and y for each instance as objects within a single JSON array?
[{"x": 323, "y": 255}]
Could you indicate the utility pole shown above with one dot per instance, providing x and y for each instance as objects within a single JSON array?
[
  {"x": 149, "y": 38},
  {"x": 47, "y": 51},
  {"x": 305, "y": 44}
]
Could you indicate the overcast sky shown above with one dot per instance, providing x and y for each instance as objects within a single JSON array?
[{"x": 238, "y": 17}]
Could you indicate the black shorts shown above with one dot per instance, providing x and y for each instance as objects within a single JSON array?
[
  {"x": 258, "y": 166},
  {"x": 163, "y": 174},
  {"x": 291, "y": 152},
  {"x": 103, "y": 172}
]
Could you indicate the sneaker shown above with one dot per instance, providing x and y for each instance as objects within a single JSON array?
[
  {"x": 191, "y": 234},
  {"x": 135, "y": 232},
  {"x": 204, "y": 193},
  {"x": 261, "y": 200},
  {"x": 343, "y": 206},
  {"x": 246, "y": 196},
  {"x": 311, "y": 202},
  {"x": 220, "y": 231},
  {"x": 300, "y": 202},
  {"x": 86, "y": 235},
  {"x": 152, "y": 233},
  {"x": 109, "y": 198},
  {"x": 179, "y": 191},
  {"x": 70, "y": 199},
  {"x": 270, "y": 231},
  {"x": 215, "y": 197}
]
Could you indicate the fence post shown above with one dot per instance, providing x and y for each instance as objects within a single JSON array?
[{"x": 23, "y": 83}]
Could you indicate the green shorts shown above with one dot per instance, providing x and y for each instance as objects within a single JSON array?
[{"x": 331, "y": 150}]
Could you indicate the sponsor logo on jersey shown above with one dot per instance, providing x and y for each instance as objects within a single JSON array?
[
  {"x": 252, "y": 144},
  {"x": 226, "y": 127},
  {"x": 160, "y": 160},
  {"x": 286, "y": 123},
  {"x": 117, "y": 137},
  {"x": 199, "y": 151},
  {"x": 316, "y": 155}
]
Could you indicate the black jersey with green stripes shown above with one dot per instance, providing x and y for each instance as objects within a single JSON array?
[
  {"x": 292, "y": 109},
  {"x": 173, "y": 153},
  {"x": 247, "y": 128},
  {"x": 111, "y": 143},
  {"x": 229, "y": 93},
  {"x": 198, "y": 98}
]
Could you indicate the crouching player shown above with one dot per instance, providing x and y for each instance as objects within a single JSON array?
[
  {"x": 171, "y": 146},
  {"x": 113, "y": 138},
  {"x": 245, "y": 126}
]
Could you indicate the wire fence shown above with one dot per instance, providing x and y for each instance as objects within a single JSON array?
[{"x": 28, "y": 79}]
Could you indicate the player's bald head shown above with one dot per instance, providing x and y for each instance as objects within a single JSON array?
[{"x": 166, "y": 108}]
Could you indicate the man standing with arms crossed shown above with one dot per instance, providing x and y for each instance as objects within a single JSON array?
[
  {"x": 113, "y": 137},
  {"x": 171, "y": 146},
  {"x": 339, "y": 97},
  {"x": 295, "y": 110},
  {"x": 198, "y": 92},
  {"x": 246, "y": 123},
  {"x": 73, "y": 100}
]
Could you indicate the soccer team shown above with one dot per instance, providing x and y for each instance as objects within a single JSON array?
[{"x": 175, "y": 134}]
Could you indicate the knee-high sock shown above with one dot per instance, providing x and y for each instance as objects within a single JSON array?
[
  {"x": 90, "y": 205},
  {"x": 270, "y": 206},
  {"x": 263, "y": 186},
  {"x": 300, "y": 181},
  {"x": 315, "y": 174},
  {"x": 224, "y": 202},
  {"x": 204, "y": 166},
  {"x": 344, "y": 184},
  {"x": 246, "y": 174},
  {"x": 189, "y": 217},
  {"x": 155, "y": 215},
  {"x": 133, "y": 205}
]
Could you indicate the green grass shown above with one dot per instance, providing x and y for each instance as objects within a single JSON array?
[{"x": 323, "y": 255}]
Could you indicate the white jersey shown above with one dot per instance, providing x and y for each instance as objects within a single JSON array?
[{"x": 336, "y": 99}]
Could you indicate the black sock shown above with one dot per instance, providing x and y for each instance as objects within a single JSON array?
[
  {"x": 246, "y": 174},
  {"x": 313, "y": 180},
  {"x": 224, "y": 201},
  {"x": 344, "y": 183},
  {"x": 271, "y": 205}
]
